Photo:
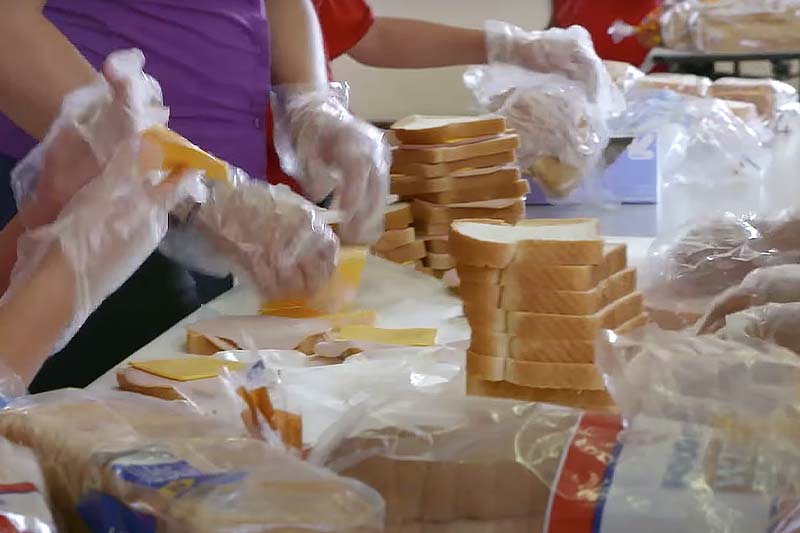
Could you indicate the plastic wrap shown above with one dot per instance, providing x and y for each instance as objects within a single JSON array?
[
  {"x": 736, "y": 26},
  {"x": 769, "y": 96},
  {"x": 781, "y": 186},
  {"x": 23, "y": 494},
  {"x": 623, "y": 74},
  {"x": 687, "y": 84},
  {"x": 562, "y": 135},
  {"x": 121, "y": 462},
  {"x": 688, "y": 267}
]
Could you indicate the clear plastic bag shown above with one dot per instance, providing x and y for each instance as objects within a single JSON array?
[
  {"x": 735, "y": 26},
  {"x": 562, "y": 134},
  {"x": 23, "y": 494},
  {"x": 624, "y": 75},
  {"x": 769, "y": 96},
  {"x": 120, "y": 461}
]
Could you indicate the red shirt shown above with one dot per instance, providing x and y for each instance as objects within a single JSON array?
[
  {"x": 597, "y": 16},
  {"x": 344, "y": 23}
]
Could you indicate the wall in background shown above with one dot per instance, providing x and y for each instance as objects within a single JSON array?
[{"x": 383, "y": 95}]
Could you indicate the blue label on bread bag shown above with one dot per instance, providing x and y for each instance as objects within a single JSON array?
[{"x": 103, "y": 513}]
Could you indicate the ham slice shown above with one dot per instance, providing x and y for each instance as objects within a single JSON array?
[{"x": 255, "y": 332}]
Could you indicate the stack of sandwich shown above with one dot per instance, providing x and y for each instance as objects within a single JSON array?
[
  {"x": 398, "y": 242},
  {"x": 456, "y": 167},
  {"x": 536, "y": 295}
]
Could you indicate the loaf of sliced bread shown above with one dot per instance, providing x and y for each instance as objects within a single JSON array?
[
  {"x": 438, "y": 170},
  {"x": 570, "y": 376},
  {"x": 423, "y": 129},
  {"x": 442, "y": 153},
  {"x": 591, "y": 400},
  {"x": 412, "y": 185},
  {"x": 494, "y": 244}
]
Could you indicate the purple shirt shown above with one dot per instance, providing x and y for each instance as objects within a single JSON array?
[{"x": 210, "y": 56}]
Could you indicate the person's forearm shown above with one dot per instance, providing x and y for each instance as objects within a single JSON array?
[
  {"x": 35, "y": 316},
  {"x": 38, "y": 66},
  {"x": 407, "y": 43},
  {"x": 298, "y": 55}
]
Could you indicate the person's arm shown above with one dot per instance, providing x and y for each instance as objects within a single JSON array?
[
  {"x": 298, "y": 55},
  {"x": 38, "y": 66},
  {"x": 407, "y": 43}
]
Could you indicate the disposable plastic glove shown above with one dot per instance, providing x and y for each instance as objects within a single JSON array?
[
  {"x": 93, "y": 121},
  {"x": 268, "y": 235},
  {"x": 569, "y": 52},
  {"x": 778, "y": 323},
  {"x": 329, "y": 150},
  {"x": 776, "y": 284}
]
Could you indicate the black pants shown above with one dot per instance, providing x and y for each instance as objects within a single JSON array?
[{"x": 157, "y": 296}]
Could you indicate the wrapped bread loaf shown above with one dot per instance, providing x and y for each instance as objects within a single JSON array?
[
  {"x": 23, "y": 494},
  {"x": 175, "y": 471},
  {"x": 749, "y": 26},
  {"x": 687, "y": 84},
  {"x": 767, "y": 95}
]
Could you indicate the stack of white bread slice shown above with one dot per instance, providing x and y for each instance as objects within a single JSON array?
[
  {"x": 455, "y": 167},
  {"x": 536, "y": 295},
  {"x": 398, "y": 242}
]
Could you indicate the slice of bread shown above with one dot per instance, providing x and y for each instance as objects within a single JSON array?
[
  {"x": 404, "y": 254},
  {"x": 546, "y": 326},
  {"x": 571, "y": 376},
  {"x": 437, "y": 245},
  {"x": 432, "y": 231},
  {"x": 398, "y": 216},
  {"x": 393, "y": 239},
  {"x": 493, "y": 244},
  {"x": 422, "y": 129},
  {"x": 413, "y": 185},
  {"x": 578, "y": 399},
  {"x": 439, "y": 261},
  {"x": 442, "y": 154},
  {"x": 494, "y": 344},
  {"x": 530, "y": 298},
  {"x": 514, "y": 189},
  {"x": 438, "y": 170},
  {"x": 442, "y": 214}
]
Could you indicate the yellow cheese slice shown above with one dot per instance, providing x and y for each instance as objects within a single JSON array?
[
  {"x": 340, "y": 291},
  {"x": 179, "y": 152},
  {"x": 400, "y": 337},
  {"x": 186, "y": 369}
]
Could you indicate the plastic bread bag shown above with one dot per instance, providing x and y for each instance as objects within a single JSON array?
[
  {"x": 477, "y": 464},
  {"x": 781, "y": 186},
  {"x": 686, "y": 268},
  {"x": 115, "y": 461},
  {"x": 647, "y": 32},
  {"x": 562, "y": 135},
  {"x": 23, "y": 493},
  {"x": 623, "y": 74},
  {"x": 736, "y": 26},
  {"x": 768, "y": 95}
]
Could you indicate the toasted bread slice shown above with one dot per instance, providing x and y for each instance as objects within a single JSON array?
[
  {"x": 398, "y": 216},
  {"x": 438, "y": 170},
  {"x": 442, "y": 154},
  {"x": 413, "y": 185},
  {"x": 531, "y": 298},
  {"x": 393, "y": 239},
  {"x": 422, "y": 129},
  {"x": 430, "y": 213},
  {"x": 514, "y": 189},
  {"x": 546, "y": 326},
  {"x": 493, "y": 244},
  {"x": 404, "y": 254},
  {"x": 590, "y": 400}
]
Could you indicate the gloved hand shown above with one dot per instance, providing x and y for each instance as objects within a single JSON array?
[
  {"x": 329, "y": 150},
  {"x": 568, "y": 52},
  {"x": 93, "y": 121},
  {"x": 268, "y": 235},
  {"x": 776, "y": 284},
  {"x": 778, "y": 323}
]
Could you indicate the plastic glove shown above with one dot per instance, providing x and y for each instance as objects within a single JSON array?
[
  {"x": 93, "y": 121},
  {"x": 103, "y": 234},
  {"x": 778, "y": 323},
  {"x": 568, "y": 52},
  {"x": 268, "y": 235},
  {"x": 776, "y": 284},
  {"x": 329, "y": 150}
]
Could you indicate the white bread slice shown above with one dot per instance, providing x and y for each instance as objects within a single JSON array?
[
  {"x": 563, "y": 278},
  {"x": 413, "y": 185},
  {"x": 422, "y": 129},
  {"x": 571, "y": 376},
  {"x": 594, "y": 400},
  {"x": 430, "y": 213},
  {"x": 437, "y": 245},
  {"x": 493, "y": 244},
  {"x": 514, "y": 189},
  {"x": 493, "y": 344},
  {"x": 546, "y": 326},
  {"x": 432, "y": 231},
  {"x": 438, "y": 170},
  {"x": 398, "y": 216},
  {"x": 443, "y": 154},
  {"x": 404, "y": 254},
  {"x": 393, "y": 239},
  {"x": 439, "y": 261},
  {"x": 530, "y": 298}
]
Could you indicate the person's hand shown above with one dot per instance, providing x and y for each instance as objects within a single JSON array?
[
  {"x": 93, "y": 121},
  {"x": 778, "y": 323},
  {"x": 268, "y": 235},
  {"x": 567, "y": 52},
  {"x": 329, "y": 150},
  {"x": 776, "y": 284}
]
